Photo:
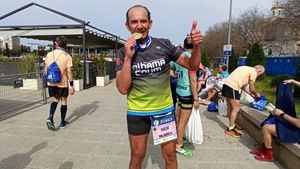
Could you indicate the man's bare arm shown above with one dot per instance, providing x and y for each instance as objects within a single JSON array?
[
  {"x": 296, "y": 83},
  {"x": 70, "y": 74},
  {"x": 124, "y": 78},
  {"x": 193, "y": 84},
  {"x": 252, "y": 89},
  {"x": 292, "y": 120}
]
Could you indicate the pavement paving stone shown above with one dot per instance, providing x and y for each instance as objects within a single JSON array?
[{"x": 97, "y": 139}]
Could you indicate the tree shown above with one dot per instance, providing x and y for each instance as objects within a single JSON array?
[
  {"x": 41, "y": 50},
  {"x": 6, "y": 51},
  {"x": 205, "y": 59},
  {"x": 291, "y": 15},
  {"x": 256, "y": 55},
  {"x": 233, "y": 61},
  {"x": 249, "y": 28},
  {"x": 215, "y": 38},
  {"x": 24, "y": 49}
]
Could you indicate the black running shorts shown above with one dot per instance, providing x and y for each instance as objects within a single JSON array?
[
  {"x": 58, "y": 92},
  {"x": 138, "y": 125},
  {"x": 186, "y": 102},
  {"x": 230, "y": 93}
]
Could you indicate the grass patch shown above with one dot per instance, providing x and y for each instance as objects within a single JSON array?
[{"x": 263, "y": 86}]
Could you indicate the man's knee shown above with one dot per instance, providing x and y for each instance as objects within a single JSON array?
[
  {"x": 64, "y": 100},
  {"x": 54, "y": 99},
  {"x": 169, "y": 155},
  {"x": 264, "y": 129},
  {"x": 268, "y": 129},
  {"x": 137, "y": 155}
]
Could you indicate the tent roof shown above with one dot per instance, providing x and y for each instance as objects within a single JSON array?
[{"x": 93, "y": 36}]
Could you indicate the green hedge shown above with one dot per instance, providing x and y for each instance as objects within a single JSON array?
[{"x": 7, "y": 59}]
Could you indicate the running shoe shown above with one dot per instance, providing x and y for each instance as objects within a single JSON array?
[
  {"x": 63, "y": 124},
  {"x": 184, "y": 151},
  {"x": 238, "y": 129},
  {"x": 50, "y": 124},
  {"x": 260, "y": 151},
  {"x": 268, "y": 156},
  {"x": 186, "y": 142},
  {"x": 233, "y": 133}
]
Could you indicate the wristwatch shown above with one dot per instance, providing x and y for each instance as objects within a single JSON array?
[{"x": 282, "y": 115}]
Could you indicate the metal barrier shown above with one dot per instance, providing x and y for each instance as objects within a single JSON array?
[
  {"x": 20, "y": 90},
  {"x": 91, "y": 75}
]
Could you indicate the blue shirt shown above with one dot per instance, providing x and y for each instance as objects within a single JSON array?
[
  {"x": 183, "y": 81},
  {"x": 224, "y": 74}
]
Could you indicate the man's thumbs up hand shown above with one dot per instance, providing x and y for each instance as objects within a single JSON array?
[{"x": 196, "y": 35}]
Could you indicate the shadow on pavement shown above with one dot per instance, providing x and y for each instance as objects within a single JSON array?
[
  {"x": 87, "y": 109},
  {"x": 15, "y": 108},
  {"x": 20, "y": 161},
  {"x": 213, "y": 116},
  {"x": 66, "y": 165},
  {"x": 153, "y": 154}
]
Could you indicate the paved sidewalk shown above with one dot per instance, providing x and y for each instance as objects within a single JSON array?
[{"x": 97, "y": 139}]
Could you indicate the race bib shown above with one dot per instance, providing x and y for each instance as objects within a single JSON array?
[{"x": 163, "y": 128}]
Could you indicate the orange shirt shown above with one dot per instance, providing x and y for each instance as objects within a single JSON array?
[
  {"x": 241, "y": 77},
  {"x": 63, "y": 60}
]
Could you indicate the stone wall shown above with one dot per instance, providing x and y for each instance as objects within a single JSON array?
[{"x": 287, "y": 154}]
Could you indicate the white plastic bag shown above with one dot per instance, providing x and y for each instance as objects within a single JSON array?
[
  {"x": 246, "y": 98},
  {"x": 193, "y": 129},
  {"x": 222, "y": 105}
]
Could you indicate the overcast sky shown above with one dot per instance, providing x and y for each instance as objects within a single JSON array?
[{"x": 172, "y": 19}]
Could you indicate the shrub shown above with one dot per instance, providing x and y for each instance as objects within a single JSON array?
[
  {"x": 27, "y": 63},
  {"x": 233, "y": 61},
  {"x": 205, "y": 59},
  {"x": 256, "y": 55},
  {"x": 77, "y": 68},
  {"x": 7, "y": 59},
  {"x": 100, "y": 66}
]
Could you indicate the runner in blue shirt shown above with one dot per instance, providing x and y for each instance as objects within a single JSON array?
[{"x": 187, "y": 98}]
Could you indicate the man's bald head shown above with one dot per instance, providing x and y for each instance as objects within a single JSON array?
[{"x": 137, "y": 6}]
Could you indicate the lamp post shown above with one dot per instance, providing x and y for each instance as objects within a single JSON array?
[
  {"x": 229, "y": 27},
  {"x": 229, "y": 31}
]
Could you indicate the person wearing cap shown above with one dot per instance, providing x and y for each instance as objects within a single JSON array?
[
  {"x": 218, "y": 85},
  {"x": 144, "y": 76},
  {"x": 223, "y": 73}
]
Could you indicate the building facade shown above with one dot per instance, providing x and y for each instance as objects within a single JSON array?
[
  {"x": 280, "y": 41},
  {"x": 11, "y": 42}
]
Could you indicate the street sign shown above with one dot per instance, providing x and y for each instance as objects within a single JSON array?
[{"x": 227, "y": 50}]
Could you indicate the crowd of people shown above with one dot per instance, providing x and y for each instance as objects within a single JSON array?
[{"x": 158, "y": 77}]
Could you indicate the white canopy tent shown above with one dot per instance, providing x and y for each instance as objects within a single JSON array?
[{"x": 82, "y": 34}]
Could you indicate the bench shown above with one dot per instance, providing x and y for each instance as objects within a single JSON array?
[{"x": 287, "y": 154}]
